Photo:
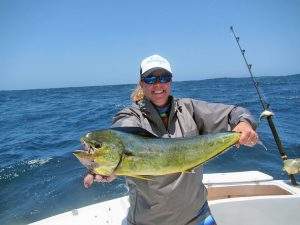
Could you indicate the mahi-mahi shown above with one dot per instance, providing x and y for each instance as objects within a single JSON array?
[{"x": 115, "y": 151}]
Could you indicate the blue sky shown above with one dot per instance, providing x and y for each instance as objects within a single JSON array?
[{"x": 59, "y": 43}]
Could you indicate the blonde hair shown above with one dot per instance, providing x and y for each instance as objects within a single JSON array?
[{"x": 137, "y": 94}]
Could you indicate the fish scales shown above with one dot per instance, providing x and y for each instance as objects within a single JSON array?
[{"x": 122, "y": 153}]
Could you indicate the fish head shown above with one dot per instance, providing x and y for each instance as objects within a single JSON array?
[{"x": 102, "y": 153}]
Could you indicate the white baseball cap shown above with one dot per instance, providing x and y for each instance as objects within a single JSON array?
[{"x": 152, "y": 63}]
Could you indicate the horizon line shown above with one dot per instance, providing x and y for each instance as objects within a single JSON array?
[{"x": 175, "y": 81}]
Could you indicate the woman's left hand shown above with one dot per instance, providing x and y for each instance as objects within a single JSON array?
[
  {"x": 91, "y": 177},
  {"x": 249, "y": 137}
]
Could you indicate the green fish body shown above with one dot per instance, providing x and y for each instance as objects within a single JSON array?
[{"x": 114, "y": 151}]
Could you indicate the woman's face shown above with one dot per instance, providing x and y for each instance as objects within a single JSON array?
[{"x": 157, "y": 93}]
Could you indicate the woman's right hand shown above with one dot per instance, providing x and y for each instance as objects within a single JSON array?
[{"x": 90, "y": 178}]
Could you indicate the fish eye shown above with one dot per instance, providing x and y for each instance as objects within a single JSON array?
[{"x": 97, "y": 145}]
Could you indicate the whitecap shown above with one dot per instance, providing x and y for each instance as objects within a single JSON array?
[{"x": 38, "y": 162}]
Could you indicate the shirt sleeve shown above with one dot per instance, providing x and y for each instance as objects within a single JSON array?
[
  {"x": 126, "y": 118},
  {"x": 240, "y": 114},
  {"x": 217, "y": 117}
]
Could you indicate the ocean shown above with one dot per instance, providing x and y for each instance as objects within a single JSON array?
[{"x": 39, "y": 130}]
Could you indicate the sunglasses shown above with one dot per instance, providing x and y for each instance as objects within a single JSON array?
[{"x": 151, "y": 79}]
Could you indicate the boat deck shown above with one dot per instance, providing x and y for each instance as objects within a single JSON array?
[{"x": 238, "y": 198}]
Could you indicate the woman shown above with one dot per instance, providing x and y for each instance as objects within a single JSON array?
[{"x": 179, "y": 198}]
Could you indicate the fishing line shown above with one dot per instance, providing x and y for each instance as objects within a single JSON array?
[
  {"x": 277, "y": 122},
  {"x": 267, "y": 113},
  {"x": 281, "y": 132}
]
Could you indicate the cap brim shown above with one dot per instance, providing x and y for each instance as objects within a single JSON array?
[{"x": 148, "y": 72}]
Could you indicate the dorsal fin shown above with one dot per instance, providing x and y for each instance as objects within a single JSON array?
[{"x": 135, "y": 130}]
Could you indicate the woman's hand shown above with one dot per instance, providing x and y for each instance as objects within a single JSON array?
[
  {"x": 91, "y": 177},
  {"x": 249, "y": 137}
]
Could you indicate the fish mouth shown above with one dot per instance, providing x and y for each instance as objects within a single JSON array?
[{"x": 89, "y": 146}]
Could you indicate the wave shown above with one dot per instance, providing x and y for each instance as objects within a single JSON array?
[{"x": 43, "y": 127}]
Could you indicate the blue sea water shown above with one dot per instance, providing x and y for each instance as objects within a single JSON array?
[{"x": 39, "y": 129}]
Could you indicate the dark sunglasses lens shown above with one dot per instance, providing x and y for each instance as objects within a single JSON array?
[
  {"x": 165, "y": 79},
  {"x": 150, "y": 79},
  {"x": 154, "y": 79}
]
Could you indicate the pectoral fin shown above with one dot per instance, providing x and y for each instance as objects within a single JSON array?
[{"x": 189, "y": 171}]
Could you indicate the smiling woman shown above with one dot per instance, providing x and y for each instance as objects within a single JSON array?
[
  {"x": 155, "y": 81},
  {"x": 156, "y": 85},
  {"x": 167, "y": 199}
]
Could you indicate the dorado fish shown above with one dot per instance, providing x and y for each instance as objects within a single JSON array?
[{"x": 114, "y": 151}]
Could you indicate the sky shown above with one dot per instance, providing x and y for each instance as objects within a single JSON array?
[{"x": 60, "y": 43}]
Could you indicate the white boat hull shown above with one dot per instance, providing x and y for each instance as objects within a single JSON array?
[
  {"x": 246, "y": 198},
  {"x": 271, "y": 210}
]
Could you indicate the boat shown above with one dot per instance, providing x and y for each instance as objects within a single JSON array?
[{"x": 235, "y": 198}]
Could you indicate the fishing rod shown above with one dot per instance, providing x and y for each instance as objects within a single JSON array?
[{"x": 268, "y": 115}]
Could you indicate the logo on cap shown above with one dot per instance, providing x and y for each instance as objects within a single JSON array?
[{"x": 153, "y": 63}]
